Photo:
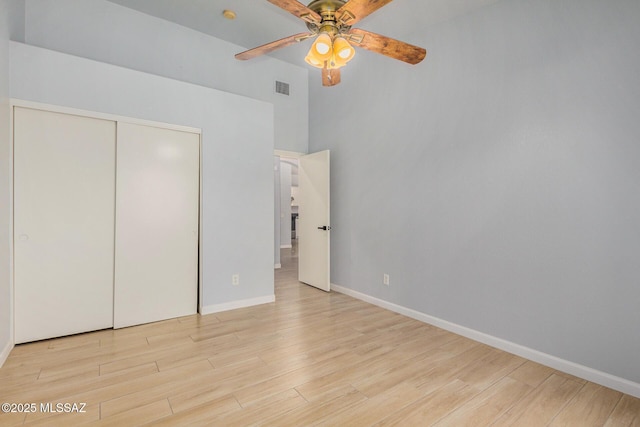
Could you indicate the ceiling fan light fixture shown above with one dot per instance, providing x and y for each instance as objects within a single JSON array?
[{"x": 331, "y": 22}]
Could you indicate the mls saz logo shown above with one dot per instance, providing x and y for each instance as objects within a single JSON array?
[{"x": 63, "y": 407}]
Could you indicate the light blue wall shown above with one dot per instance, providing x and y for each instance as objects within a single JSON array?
[
  {"x": 107, "y": 32},
  {"x": 5, "y": 143},
  {"x": 497, "y": 182}
]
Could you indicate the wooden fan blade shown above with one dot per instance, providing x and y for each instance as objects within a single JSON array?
[
  {"x": 298, "y": 9},
  {"x": 330, "y": 77},
  {"x": 270, "y": 47},
  {"x": 387, "y": 46},
  {"x": 355, "y": 10}
]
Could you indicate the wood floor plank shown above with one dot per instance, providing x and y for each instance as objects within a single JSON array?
[
  {"x": 379, "y": 382},
  {"x": 263, "y": 411},
  {"x": 592, "y": 406},
  {"x": 156, "y": 387},
  {"x": 201, "y": 414},
  {"x": 197, "y": 351},
  {"x": 117, "y": 344},
  {"x": 52, "y": 374},
  {"x": 444, "y": 366},
  {"x": 213, "y": 331},
  {"x": 293, "y": 378},
  {"x": 310, "y": 413},
  {"x": 626, "y": 413},
  {"x": 12, "y": 419},
  {"x": 134, "y": 358},
  {"x": 137, "y": 416},
  {"x": 487, "y": 406},
  {"x": 531, "y": 373},
  {"x": 542, "y": 404},
  {"x": 490, "y": 369},
  {"x": 371, "y": 411},
  {"x": 13, "y": 378},
  {"x": 223, "y": 383},
  {"x": 436, "y": 405}
]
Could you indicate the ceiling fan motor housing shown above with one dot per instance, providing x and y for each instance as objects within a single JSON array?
[
  {"x": 319, "y": 6},
  {"x": 329, "y": 24}
]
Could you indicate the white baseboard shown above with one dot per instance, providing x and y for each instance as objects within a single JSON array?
[
  {"x": 4, "y": 354},
  {"x": 217, "y": 308},
  {"x": 278, "y": 266},
  {"x": 285, "y": 246},
  {"x": 589, "y": 374}
]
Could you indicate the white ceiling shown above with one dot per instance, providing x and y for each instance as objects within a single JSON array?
[{"x": 259, "y": 22}]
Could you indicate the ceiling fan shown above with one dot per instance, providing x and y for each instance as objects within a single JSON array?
[{"x": 331, "y": 21}]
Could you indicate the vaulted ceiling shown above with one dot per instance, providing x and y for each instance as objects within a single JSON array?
[{"x": 259, "y": 22}]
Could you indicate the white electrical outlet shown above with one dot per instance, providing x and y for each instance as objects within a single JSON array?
[
  {"x": 385, "y": 279},
  {"x": 235, "y": 279}
]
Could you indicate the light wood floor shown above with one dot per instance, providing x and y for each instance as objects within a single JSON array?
[{"x": 309, "y": 359}]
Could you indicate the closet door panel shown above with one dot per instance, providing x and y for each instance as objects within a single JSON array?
[
  {"x": 64, "y": 183},
  {"x": 157, "y": 208}
]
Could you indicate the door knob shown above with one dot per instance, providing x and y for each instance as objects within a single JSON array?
[{"x": 324, "y": 227}]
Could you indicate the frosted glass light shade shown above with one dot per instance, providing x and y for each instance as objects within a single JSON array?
[
  {"x": 322, "y": 47},
  {"x": 312, "y": 60},
  {"x": 343, "y": 50}
]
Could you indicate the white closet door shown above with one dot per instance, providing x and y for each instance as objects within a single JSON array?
[
  {"x": 157, "y": 196},
  {"x": 64, "y": 182}
]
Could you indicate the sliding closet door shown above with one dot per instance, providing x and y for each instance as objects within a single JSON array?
[
  {"x": 64, "y": 181},
  {"x": 157, "y": 196}
]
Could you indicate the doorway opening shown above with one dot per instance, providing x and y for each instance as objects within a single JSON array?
[{"x": 287, "y": 195}]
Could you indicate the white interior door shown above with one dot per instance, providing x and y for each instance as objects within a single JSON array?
[
  {"x": 64, "y": 183},
  {"x": 314, "y": 221},
  {"x": 157, "y": 206}
]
